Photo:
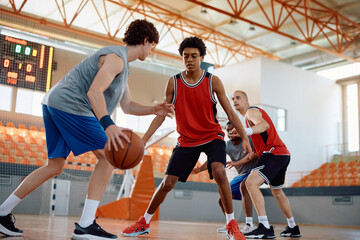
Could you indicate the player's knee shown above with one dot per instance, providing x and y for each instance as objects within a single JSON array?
[
  {"x": 243, "y": 188},
  {"x": 219, "y": 174},
  {"x": 278, "y": 193},
  {"x": 55, "y": 170},
  {"x": 250, "y": 183},
  {"x": 167, "y": 186}
]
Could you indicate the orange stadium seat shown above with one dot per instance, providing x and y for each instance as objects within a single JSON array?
[
  {"x": 32, "y": 154},
  {"x": 19, "y": 153},
  {"x": 13, "y": 145},
  {"x": 351, "y": 163},
  {"x": 341, "y": 164},
  {"x": 5, "y": 152},
  {"x": 2, "y": 144},
  {"x": 39, "y": 162},
  {"x": 32, "y": 140},
  {"x": 44, "y": 156},
  {"x": 10, "y": 159},
  {"x": 25, "y": 161},
  {"x": 10, "y": 125},
  {"x": 8, "y": 137},
  {"x": 21, "y": 126},
  {"x": 33, "y": 128}
]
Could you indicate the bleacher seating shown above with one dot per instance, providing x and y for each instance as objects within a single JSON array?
[
  {"x": 22, "y": 145},
  {"x": 332, "y": 174}
]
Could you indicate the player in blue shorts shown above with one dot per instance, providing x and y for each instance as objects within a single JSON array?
[
  {"x": 76, "y": 114},
  {"x": 243, "y": 162}
]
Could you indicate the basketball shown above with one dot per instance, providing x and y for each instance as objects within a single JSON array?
[{"x": 129, "y": 156}]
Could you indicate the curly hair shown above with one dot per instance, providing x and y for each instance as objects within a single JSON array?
[
  {"x": 138, "y": 31},
  {"x": 193, "y": 42}
]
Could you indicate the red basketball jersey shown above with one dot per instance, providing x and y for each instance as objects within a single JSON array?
[
  {"x": 268, "y": 141},
  {"x": 195, "y": 111}
]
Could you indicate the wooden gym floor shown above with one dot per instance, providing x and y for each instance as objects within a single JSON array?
[{"x": 37, "y": 227}]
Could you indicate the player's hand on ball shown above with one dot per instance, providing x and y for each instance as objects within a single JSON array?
[{"x": 116, "y": 135}]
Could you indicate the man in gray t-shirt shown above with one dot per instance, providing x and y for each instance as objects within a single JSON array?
[
  {"x": 243, "y": 162},
  {"x": 76, "y": 114}
]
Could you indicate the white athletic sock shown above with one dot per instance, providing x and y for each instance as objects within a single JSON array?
[
  {"x": 249, "y": 220},
  {"x": 229, "y": 217},
  {"x": 88, "y": 214},
  {"x": 291, "y": 222},
  {"x": 264, "y": 221},
  {"x": 9, "y": 204},
  {"x": 148, "y": 217}
]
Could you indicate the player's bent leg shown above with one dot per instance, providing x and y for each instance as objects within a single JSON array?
[
  {"x": 53, "y": 168},
  {"x": 100, "y": 176},
  {"x": 220, "y": 177},
  {"x": 141, "y": 227},
  {"x": 283, "y": 202}
]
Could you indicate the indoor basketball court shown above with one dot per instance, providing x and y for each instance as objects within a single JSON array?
[
  {"x": 297, "y": 60},
  {"x": 45, "y": 227}
]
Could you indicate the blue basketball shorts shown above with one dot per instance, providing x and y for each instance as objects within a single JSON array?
[
  {"x": 235, "y": 185},
  {"x": 67, "y": 132}
]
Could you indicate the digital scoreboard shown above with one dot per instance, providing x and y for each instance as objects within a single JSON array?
[{"x": 25, "y": 64}]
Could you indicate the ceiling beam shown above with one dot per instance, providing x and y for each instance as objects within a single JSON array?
[{"x": 328, "y": 22}]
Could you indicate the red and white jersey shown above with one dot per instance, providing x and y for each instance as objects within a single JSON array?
[
  {"x": 195, "y": 111},
  {"x": 268, "y": 141}
]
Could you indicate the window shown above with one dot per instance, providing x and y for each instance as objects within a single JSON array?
[
  {"x": 281, "y": 117},
  {"x": 352, "y": 117},
  {"x": 277, "y": 115},
  {"x": 6, "y": 97},
  {"x": 29, "y": 102}
]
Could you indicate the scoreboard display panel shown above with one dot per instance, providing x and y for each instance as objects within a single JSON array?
[{"x": 25, "y": 64}]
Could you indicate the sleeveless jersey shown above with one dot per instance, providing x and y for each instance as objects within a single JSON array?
[
  {"x": 268, "y": 141},
  {"x": 195, "y": 111},
  {"x": 70, "y": 94}
]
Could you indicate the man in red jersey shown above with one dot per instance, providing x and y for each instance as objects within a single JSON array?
[
  {"x": 192, "y": 92},
  {"x": 270, "y": 169}
]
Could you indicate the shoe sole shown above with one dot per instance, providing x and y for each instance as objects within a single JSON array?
[
  {"x": 289, "y": 235},
  {"x": 134, "y": 234},
  {"x": 263, "y": 236},
  {"x": 89, "y": 237},
  {"x": 9, "y": 233}
]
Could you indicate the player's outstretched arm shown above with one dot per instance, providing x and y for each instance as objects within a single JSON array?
[
  {"x": 158, "y": 120},
  {"x": 130, "y": 107}
]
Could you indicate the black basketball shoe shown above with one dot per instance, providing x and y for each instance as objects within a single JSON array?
[
  {"x": 291, "y": 232},
  {"x": 94, "y": 231},
  {"x": 7, "y": 226},
  {"x": 261, "y": 232}
]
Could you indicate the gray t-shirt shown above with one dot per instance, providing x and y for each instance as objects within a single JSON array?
[
  {"x": 70, "y": 94},
  {"x": 235, "y": 152}
]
